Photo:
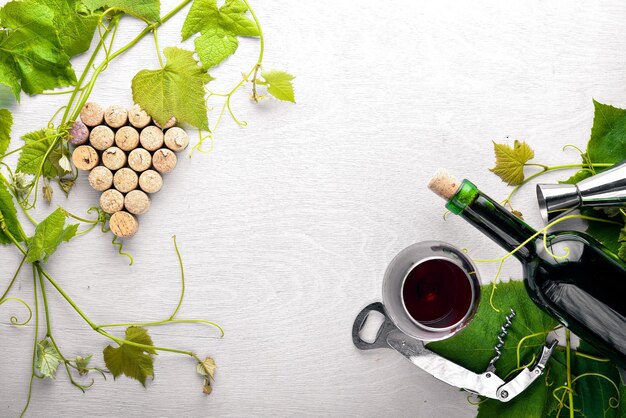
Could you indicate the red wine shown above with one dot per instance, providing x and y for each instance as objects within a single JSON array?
[{"x": 437, "y": 293}]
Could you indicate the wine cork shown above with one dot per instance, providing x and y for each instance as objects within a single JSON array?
[
  {"x": 150, "y": 181},
  {"x": 139, "y": 160},
  {"x": 101, "y": 137},
  {"x": 127, "y": 138},
  {"x": 164, "y": 160},
  {"x": 100, "y": 178},
  {"x": 138, "y": 117},
  {"x": 123, "y": 224},
  {"x": 151, "y": 138},
  {"x": 125, "y": 180},
  {"x": 79, "y": 133},
  {"x": 112, "y": 201},
  {"x": 115, "y": 116},
  {"x": 85, "y": 157},
  {"x": 92, "y": 114},
  {"x": 113, "y": 158},
  {"x": 137, "y": 202},
  {"x": 176, "y": 139},
  {"x": 171, "y": 122},
  {"x": 443, "y": 184}
]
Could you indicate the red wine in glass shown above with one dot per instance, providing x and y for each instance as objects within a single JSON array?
[{"x": 437, "y": 293}]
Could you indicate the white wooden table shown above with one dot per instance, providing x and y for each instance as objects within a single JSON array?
[{"x": 287, "y": 227}]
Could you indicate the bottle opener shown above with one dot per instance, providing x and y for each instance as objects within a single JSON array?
[{"x": 486, "y": 384}]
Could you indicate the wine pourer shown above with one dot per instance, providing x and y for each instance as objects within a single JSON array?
[
  {"x": 607, "y": 188},
  {"x": 486, "y": 384}
]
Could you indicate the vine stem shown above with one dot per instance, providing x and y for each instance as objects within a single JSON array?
[
  {"x": 570, "y": 392},
  {"x": 545, "y": 169},
  {"x": 95, "y": 327},
  {"x": 36, "y": 340},
  {"x": 17, "y": 272},
  {"x": 78, "y": 88},
  {"x": 149, "y": 28},
  {"x": 182, "y": 277}
]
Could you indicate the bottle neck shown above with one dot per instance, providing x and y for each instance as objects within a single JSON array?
[{"x": 493, "y": 220}]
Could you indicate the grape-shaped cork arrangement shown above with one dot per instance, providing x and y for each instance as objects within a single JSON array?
[{"x": 126, "y": 152}]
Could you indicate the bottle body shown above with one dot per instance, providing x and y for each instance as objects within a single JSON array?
[
  {"x": 583, "y": 285},
  {"x": 571, "y": 276}
]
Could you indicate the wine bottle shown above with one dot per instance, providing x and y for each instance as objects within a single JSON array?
[{"x": 573, "y": 277}]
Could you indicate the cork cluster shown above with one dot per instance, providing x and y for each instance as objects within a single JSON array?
[{"x": 126, "y": 152}]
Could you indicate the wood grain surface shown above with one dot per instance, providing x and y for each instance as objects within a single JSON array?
[{"x": 286, "y": 228}]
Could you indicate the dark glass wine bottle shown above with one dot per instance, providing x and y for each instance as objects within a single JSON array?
[{"x": 578, "y": 281}]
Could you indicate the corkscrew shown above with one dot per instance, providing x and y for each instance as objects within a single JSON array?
[
  {"x": 498, "y": 348},
  {"x": 486, "y": 384}
]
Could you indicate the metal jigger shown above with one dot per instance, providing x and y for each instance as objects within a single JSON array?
[{"x": 607, "y": 188}]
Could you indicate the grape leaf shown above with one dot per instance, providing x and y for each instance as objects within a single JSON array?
[
  {"x": 82, "y": 363},
  {"x": 580, "y": 175},
  {"x": 49, "y": 233},
  {"x": 279, "y": 85},
  {"x": 177, "y": 89},
  {"x": 31, "y": 56},
  {"x": 131, "y": 361},
  {"x": 48, "y": 358},
  {"x": 8, "y": 213},
  {"x": 149, "y": 10},
  {"x": 75, "y": 27},
  {"x": 594, "y": 392},
  {"x": 31, "y": 159},
  {"x": 219, "y": 28},
  {"x": 473, "y": 348},
  {"x": 207, "y": 369},
  {"x": 510, "y": 161},
  {"x": 214, "y": 46},
  {"x": 608, "y": 134},
  {"x": 608, "y": 234},
  {"x": 6, "y": 122}
]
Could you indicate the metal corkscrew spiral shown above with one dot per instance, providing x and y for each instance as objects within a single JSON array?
[{"x": 503, "y": 333}]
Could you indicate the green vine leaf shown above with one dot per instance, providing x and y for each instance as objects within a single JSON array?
[
  {"x": 6, "y": 122},
  {"x": 214, "y": 46},
  {"x": 82, "y": 363},
  {"x": 608, "y": 134},
  {"x": 595, "y": 392},
  {"x": 32, "y": 58},
  {"x": 134, "y": 362},
  {"x": 218, "y": 29},
  {"x": 75, "y": 26},
  {"x": 149, "y": 10},
  {"x": 8, "y": 216},
  {"x": 49, "y": 233},
  {"x": 510, "y": 161},
  {"x": 206, "y": 369},
  {"x": 580, "y": 175},
  {"x": 48, "y": 358},
  {"x": 34, "y": 158},
  {"x": 177, "y": 89},
  {"x": 279, "y": 85}
]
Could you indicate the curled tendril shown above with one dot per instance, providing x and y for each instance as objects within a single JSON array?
[
  {"x": 522, "y": 340},
  {"x": 51, "y": 121},
  {"x": 13, "y": 319},
  {"x": 232, "y": 114},
  {"x": 120, "y": 249},
  {"x": 545, "y": 246},
  {"x": 495, "y": 282},
  {"x": 198, "y": 146}
]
